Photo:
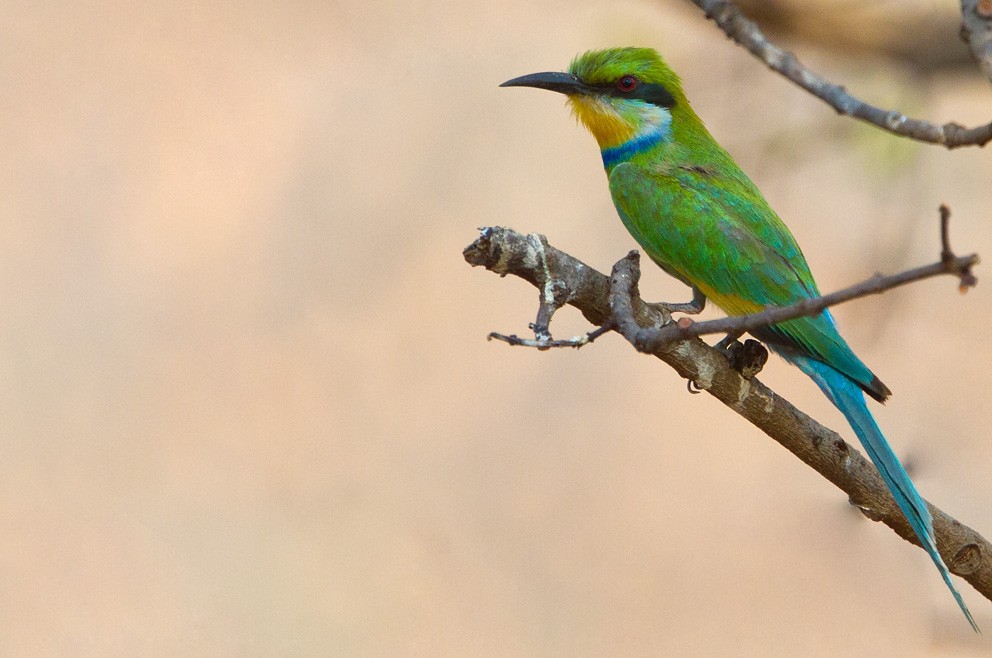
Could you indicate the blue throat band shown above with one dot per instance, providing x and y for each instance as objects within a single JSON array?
[{"x": 616, "y": 154}]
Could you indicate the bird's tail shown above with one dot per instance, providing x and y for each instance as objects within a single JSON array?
[{"x": 848, "y": 397}]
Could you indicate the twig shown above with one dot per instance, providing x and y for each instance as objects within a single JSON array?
[
  {"x": 746, "y": 33},
  {"x": 545, "y": 342},
  {"x": 809, "y": 307},
  {"x": 505, "y": 251},
  {"x": 947, "y": 256}
]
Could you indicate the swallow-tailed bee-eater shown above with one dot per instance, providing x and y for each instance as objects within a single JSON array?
[{"x": 701, "y": 219}]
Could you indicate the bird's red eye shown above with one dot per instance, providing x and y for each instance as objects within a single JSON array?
[{"x": 627, "y": 83}]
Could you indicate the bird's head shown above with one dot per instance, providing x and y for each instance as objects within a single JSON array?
[{"x": 626, "y": 97}]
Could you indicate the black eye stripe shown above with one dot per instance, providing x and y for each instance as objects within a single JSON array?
[
  {"x": 648, "y": 92},
  {"x": 655, "y": 93}
]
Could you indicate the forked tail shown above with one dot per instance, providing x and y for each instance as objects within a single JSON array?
[{"x": 848, "y": 397}]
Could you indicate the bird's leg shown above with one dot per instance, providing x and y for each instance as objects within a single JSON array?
[
  {"x": 694, "y": 307},
  {"x": 727, "y": 341}
]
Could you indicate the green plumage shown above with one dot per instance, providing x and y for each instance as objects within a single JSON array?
[
  {"x": 699, "y": 217},
  {"x": 715, "y": 232}
]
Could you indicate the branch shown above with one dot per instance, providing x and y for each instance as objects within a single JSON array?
[
  {"x": 976, "y": 31},
  {"x": 504, "y": 251},
  {"x": 743, "y": 31}
]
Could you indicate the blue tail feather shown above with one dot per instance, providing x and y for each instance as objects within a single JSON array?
[{"x": 848, "y": 397}]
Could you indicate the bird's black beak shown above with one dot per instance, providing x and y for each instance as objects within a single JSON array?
[{"x": 563, "y": 83}]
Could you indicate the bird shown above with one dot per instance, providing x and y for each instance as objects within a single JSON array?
[{"x": 699, "y": 217}]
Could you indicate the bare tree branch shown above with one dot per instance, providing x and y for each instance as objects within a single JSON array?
[
  {"x": 743, "y": 31},
  {"x": 976, "y": 31},
  {"x": 504, "y": 251}
]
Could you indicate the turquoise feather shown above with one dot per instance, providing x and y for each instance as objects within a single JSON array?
[{"x": 847, "y": 397}]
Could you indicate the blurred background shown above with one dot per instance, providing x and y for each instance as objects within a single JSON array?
[{"x": 248, "y": 407}]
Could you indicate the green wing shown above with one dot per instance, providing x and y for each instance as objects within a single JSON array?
[{"x": 717, "y": 233}]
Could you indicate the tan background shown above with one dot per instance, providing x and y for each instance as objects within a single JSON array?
[{"x": 247, "y": 404}]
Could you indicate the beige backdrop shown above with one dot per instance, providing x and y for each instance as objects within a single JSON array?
[{"x": 247, "y": 403}]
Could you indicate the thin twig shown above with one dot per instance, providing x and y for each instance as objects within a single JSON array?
[
  {"x": 545, "y": 342},
  {"x": 959, "y": 266},
  {"x": 947, "y": 256},
  {"x": 746, "y": 33}
]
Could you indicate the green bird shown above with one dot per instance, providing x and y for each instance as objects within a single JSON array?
[{"x": 701, "y": 219}]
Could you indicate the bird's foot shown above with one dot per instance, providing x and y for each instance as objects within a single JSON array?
[
  {"x": 694, "y": 307},
  {"x": 747, "y": 358}
]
